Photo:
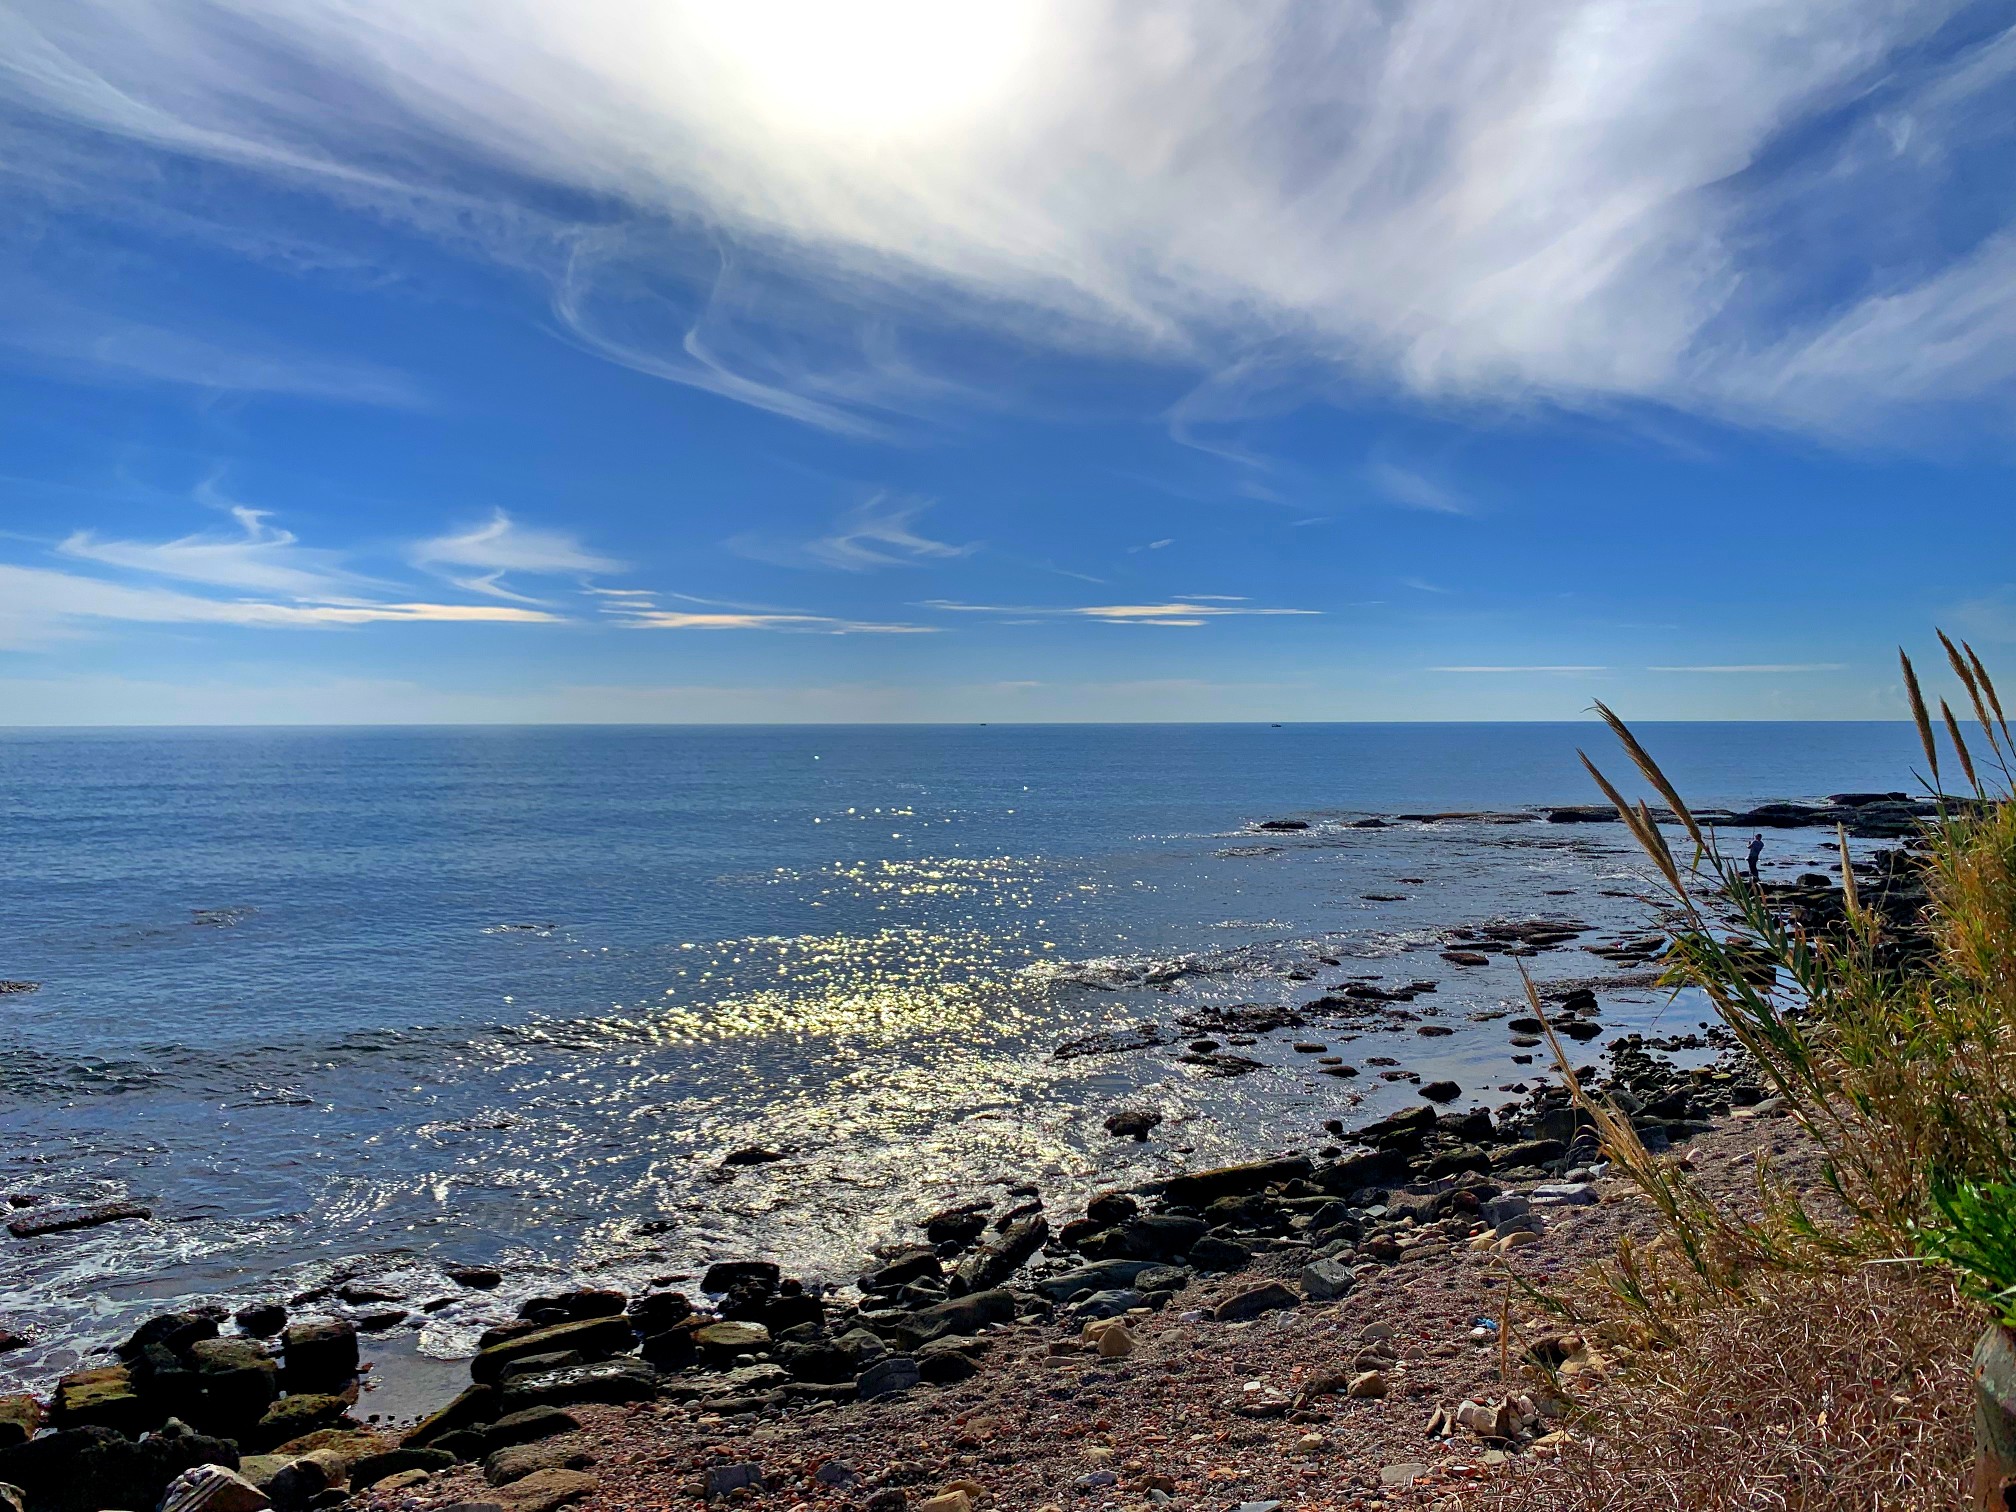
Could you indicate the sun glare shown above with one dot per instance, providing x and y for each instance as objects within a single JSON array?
[{"x": 872, "y": 68}]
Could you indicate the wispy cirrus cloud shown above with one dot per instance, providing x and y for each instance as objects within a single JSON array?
[
  {"x": 1187, "y": 613},
  {"x": 1569, "y": 201},
  {"x": 882, "y": 531},
  {"x": 638, "y": 609},
  {"x": 1416, "y": 490},
  {"x": 38, "y": 603},
  {"x": 501, "y": 545},
  {"x": 258, "y": 557}
]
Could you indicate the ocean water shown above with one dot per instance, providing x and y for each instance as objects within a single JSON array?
[{"x": 380, "y": 1000}]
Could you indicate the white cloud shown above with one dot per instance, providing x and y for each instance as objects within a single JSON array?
[
  {"x": 1572, "y": 200},
  {"x": 260, "y": 558},
  {"x": 36, "y": 602},
  {"x": 880, "y": 532},
  {"x": 1415, "y": 490},
  {"x": 501, "y": 545},
  {"x": 1184, "y": 613}
]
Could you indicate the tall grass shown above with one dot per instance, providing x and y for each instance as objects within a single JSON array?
[
  {"x": 1899, "y": 1065},
  {"x": 1890, "y": 1040}
]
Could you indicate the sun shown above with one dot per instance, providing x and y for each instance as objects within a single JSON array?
[{"x": 869, "y": 69}]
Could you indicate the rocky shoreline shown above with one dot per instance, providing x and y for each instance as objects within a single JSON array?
[
  {"x": 1347, "y": 1283},
  {"x": 269, "y": 1402}
]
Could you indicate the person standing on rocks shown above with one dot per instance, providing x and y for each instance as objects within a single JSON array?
[{"x": 1756, "y": 850}]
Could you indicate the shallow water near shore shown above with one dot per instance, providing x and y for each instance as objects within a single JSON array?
[{"x": 340, "y": 1003}]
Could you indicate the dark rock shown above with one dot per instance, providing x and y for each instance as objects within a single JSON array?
[
  {"x": 1157, "y": 1236},
  {"x": 298, "y": 1413},
  {"x": 476, "y": 1277},
  {"x": 373, "y": 1468},
  {"x": 888, "y": 1375},
  {"x": 992, "y": 1264},
  {"x": 36, "y": 1222},
  {"x": 1283, "y": 826},
  {"x": 1214, "y": 1254},
  {"x": 959, "y": 1225},
  {"x": 1109, "y": 1208},
  {"x": 262, "y": 1320},
  {"x": 20, "y": 1419},
  {"x": 529, "y": 1426},
  {"x": 174, "y": 1332},
  {"x": 1197, "y": 1188},
  {"x": 1442, "y": 1091},
  {"x": 474, "y": 1405},
  {"x": 1255, "y": 1300},
  {"x": 102, "y": 1398},
  {"x": 903, "y": 1267},
  {"x": 1133, "y": 1123},
  {"x": 945, "y": 1368},
  {"x": 1112, "y": 1041},
  {"x": 592, "y": 1338},
  {"x": 319, "y": 1354},
  {"x": 725, "y": 1275},
  {"x": 753, "y": 1155},
  {"x": 674, "y": 1348},
  {"x": 957, "y": 1315},
  {"x": 620, "y": 1380}
]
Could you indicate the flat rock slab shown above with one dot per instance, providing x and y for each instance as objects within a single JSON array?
[
  {"x": 543, "y": 1490},
  {"x": 567, "y": 1452},
  {"x": 33, "y": 1225}
]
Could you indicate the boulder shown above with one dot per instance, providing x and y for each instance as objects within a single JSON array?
[
  {"x": 724, "y": 1340},
  {"x": 475, "y": 1404},
  {"x": 886, "y": 1376},
  {"x": 374, "y": 1468},
  {"x": 992, "y": 1264},
  {"x": 591, "y": 1338},
  {"x": 1211, "y": 1253},
  {"x": 36, "y": 1222},
  {"x": 620, "y": 1380},
  {"x": 529, "y": 1426},
  {"x": 516, "y": 1461},
  {"x": 294, "y": 1415},
  {"x": 20, "y": 1419},
  {"x": 102, "y": 1398},
  {"x": 1197, "y": 1188},
  {"x": 957, "y": 1315},
  {"x": 319, "y": 1354},
  {"x": 1254, "y": 1301},
  {"x": 543, "y": 1490},
  {"x": 1326, "y": 1280},
  {"x": 725, "y": 1275},
  {"x": 212, "y": 1488}
]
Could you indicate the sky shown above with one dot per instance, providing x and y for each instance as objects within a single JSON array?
[{"x": 439, "y": 361}]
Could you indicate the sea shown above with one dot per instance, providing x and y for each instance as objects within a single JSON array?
[{"x": 342, "y": 1003}]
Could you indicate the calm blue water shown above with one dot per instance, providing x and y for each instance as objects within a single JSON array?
[{"x": 510, "y": 994}]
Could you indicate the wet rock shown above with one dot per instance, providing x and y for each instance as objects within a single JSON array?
[
  {"x": 1254, "y": 1301},
  {"x": 725, "y": 1275},
  {"x": 902, "y": 1267},
  {"x": 262, "y": 1320},
  {"x": 1110, "y": 1208},
  {"x": 1442, "y": 1091},
  {"x": 299, "y": 1413},
  {"x": 1133, "y": 1123},
  {"x": 959, "y": 1225},
  {"x": 319, "y": 1354},
  {"x": 1198, "y": 1188},
  {"x": 20, "y": 1419},
  {"x": 992, "y": 1264},
  {"x": 102, "y": 1398},
  {"x": 34, "y": 1223},
  {"x": 1282, "y": 826},
  {"x": 591, "y": 1338},
  {"x": 476, "y": 1277},
  {"x": 1112, "y": 1041},
  {"x": 659, "y": 1311},
  {"x": 619, "y": 1380}
]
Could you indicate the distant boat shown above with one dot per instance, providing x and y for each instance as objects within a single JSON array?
[{"x": 1277, "y": 727}]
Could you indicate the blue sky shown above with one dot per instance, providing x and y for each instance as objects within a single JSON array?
[{"x": 435, "y": 360}]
